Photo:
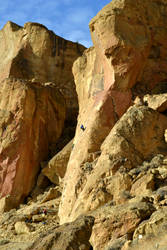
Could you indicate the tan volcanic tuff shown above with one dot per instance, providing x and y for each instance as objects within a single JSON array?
[
  {"x": 31, "y": 120},
  {"x": 128, "y": 60},
  {"x": 35, "y": 53}
]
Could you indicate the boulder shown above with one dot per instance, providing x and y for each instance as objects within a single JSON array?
[
  {"x": 128, "y": 60},
  {"x": 156, "y": 102},
  {"x": 21, "y": 227},
  {"x": 113, "y": 222},
  {"x": 31, "y": 121},
  {"x": 53, "y": 193},
  {"x": 117, "y": 243},
  {"x": 150, "y": 234},
  {"x": 5, "y": 204},
  {"x": 56, "y": 167},
  {"x": 156, "y": 224},
  {"x": 144, "y": 185}
]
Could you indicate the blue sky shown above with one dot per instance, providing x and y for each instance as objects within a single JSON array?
[{"x": 67, "y": 18}]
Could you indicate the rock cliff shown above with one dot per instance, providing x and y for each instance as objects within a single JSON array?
[
  {"x": 128, "y": 61},
  {"x": 31, "y": 120},
  {"x": 35, "y": 53},
  {"x": 37, "y": 98},
  {"x": 107, "y": 188}
]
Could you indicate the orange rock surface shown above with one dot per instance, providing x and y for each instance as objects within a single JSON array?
[
  {"x": 31, "y": 120},
  {"x": 128, "y": 60},
  {"x": 35, "y": 53}
]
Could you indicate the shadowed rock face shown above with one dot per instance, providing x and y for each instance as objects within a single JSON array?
[
  {"x": 128, "y": 60},
  {"x": 35, "y": 53},
  {"x": 56, "y": 167},
  {"x": 31, "y": 120}
]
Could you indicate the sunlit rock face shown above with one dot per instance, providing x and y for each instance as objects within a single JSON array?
[
  {"x": 35, "y": 53},
  {"x": 128, "y": 60},
  {"x": 37, "y": 100},
  {"x": 31, "y": 120}
]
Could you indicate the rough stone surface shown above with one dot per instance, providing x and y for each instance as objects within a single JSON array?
[
  {"x": 72, "y": 236},
  {"x": 156, "y": 223},
  {"x": 117, "y": 171},
  {"x": 40, "y": 217},
  {"x": 114, "y": 222},
  {"x": 35, "y": 53},
  {"x": 126, "y": 146},
  {"x": 56, "y": 167},
  {"x": 5, "y": 204},
  {"x": 53, "y": 193},
  {"x": 157, "y": 102},
  {"x": 128, "y": 60},
  {"x": 21, "y": 227},
  {"x": 116, "y": 244},
  {"x": 31, "y": 120},
  {"x": 143, "y": 186}
]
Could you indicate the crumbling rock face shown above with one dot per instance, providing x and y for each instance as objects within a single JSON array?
[
  {"x": 31, "y": 120},
  {"x": 35, "y": 53},
  {"x": 128, "y": 60}
]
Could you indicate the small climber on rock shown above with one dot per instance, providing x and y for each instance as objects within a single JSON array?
[
  {"x": 44, "y": 212},
  {"x": 82, "y": 127}
]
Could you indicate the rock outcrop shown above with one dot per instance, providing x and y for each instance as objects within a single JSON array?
[
  {"x": 56, "y": 167},
  {"x": 31, "y": 120},
  {"x": 112, "y": 222},
  {"x": 35, "y": 103},
  {"x": 114, "y": 171},
  {"x": 128, "y": 60},
  {"x": 135, "y": 138},
  {"x": 35, "y": 53}
]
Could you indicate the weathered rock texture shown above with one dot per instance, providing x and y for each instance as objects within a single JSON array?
[
  {"x": 136, "y": 137},
  {"x": 56, "y": 167},
  {"x": 112, "y": 222},
  {"x": 35, "y": 53},
  {"x": 31, "y": 120},
  {"x": 72, "y": 236},
  {"x": 128, "y": 60},
  {"x": 117, "y": 172},
  {"x": 36, "y": 88}
]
